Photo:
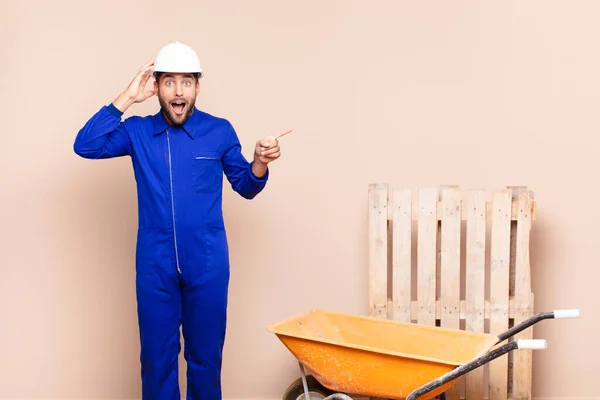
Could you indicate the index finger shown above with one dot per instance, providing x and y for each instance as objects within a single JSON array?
[
  {"x": 283, "y": 133},
  {"x": 147, "y": 65}
]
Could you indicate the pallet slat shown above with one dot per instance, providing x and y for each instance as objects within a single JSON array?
[
  {"x": 450, "y": 259},
  {"x": 401, "y": 254},
  {"x": 427, "y": 250},
  {"x": 450, "y": 267},
  {"x": 378, "y": 200},
  {"x": 475, "y": 282},
  {"x": 463, "y": 310},
  {"x": 499, "y": 287},
  {"x": 523, "y": 297},
  {"x": 463, "y": 214}
]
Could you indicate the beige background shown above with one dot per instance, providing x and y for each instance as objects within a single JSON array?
[{"x": 415, "y": 93}]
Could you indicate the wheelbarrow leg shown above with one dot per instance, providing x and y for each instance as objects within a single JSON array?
[
  {"x": 304, "y": 383},
  {"x": 335, "y": 396}
]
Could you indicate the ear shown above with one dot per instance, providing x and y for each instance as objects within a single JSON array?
[
  {"x": 155, "y": 86},
  {"x": 197, "y": 86}
]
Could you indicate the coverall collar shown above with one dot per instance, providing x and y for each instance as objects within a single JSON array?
[{"x": 160, "y": 124}]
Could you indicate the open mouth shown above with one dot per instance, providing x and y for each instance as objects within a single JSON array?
[{"x": 178, "y": 108}]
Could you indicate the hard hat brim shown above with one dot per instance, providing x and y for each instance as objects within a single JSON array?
[{"x": 200, "y": 73}]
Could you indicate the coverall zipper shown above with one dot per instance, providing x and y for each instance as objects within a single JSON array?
[{"x": 172, "y": 203}]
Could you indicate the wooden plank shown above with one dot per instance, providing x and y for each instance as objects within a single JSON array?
[
  {"x": 450, "y": 267},
  {"x": 463, "y": 216},
  {"x": 522, "y": 360},
  {"x": 450, "y": 259},
  {"x": 475, "y": 281},
  {"x": 401, "y": 256},
  {"x": 426, "y": 262},
  {"x": 511, "y": 284},
  {"x": 414, "y": 309},
  {"x": 378, "y": 250},
  {"x": 499, "y": 287}
]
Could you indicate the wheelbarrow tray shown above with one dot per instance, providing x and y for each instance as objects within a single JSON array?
[{"x": 377, "y": 357}]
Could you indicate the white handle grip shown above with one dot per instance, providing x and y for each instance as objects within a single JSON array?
[
  {"x": 566, "y": 313},
  {"x": 532, "y": 344}
]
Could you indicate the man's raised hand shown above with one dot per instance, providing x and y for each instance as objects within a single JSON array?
[{"x": 136, "y": 91}]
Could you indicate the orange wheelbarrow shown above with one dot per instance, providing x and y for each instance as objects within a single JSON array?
[{"x": 356, "y": 355}]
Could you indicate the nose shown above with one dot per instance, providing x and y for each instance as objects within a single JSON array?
[{"x": 178, "y": 89}]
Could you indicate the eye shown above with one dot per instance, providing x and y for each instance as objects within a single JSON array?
[
  {"x": 168, "y": 83},
  {"x": 187, "y": 83}
]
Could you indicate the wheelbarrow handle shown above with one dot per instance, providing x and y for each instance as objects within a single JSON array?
[
  {"x": 537, "y": 318},
  {"x": 533, "y": 344},
  {"x": 566, "y": 313},
  {"x": 530, "y": 344}
]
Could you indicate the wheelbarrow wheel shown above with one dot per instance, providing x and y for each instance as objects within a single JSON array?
[{"x": 316, "y": 391}]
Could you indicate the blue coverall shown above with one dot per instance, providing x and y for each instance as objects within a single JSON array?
[{"x": 182, "y": 256}]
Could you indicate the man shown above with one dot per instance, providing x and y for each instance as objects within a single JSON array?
[{"x": 179, "y": 156}]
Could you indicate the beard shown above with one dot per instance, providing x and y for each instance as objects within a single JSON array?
[{"x": 176, "y": 112}]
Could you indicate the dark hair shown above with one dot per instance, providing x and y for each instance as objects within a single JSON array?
[{"x": 158, "y": 74}]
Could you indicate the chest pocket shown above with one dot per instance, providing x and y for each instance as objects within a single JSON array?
[{"x": 207, "y": 172}]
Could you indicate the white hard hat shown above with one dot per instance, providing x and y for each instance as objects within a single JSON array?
[{"x": 177, "y": 57}]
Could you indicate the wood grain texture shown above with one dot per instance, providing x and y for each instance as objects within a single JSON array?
[
  {"x": 427, "y": 249},
  {"x": 378, "y": 250}
]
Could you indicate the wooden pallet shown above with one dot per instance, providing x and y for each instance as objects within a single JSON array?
[{"x": 459, "y": 259}]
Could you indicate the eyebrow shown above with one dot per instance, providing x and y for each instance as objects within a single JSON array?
[{"x": 173, "y": 76}]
